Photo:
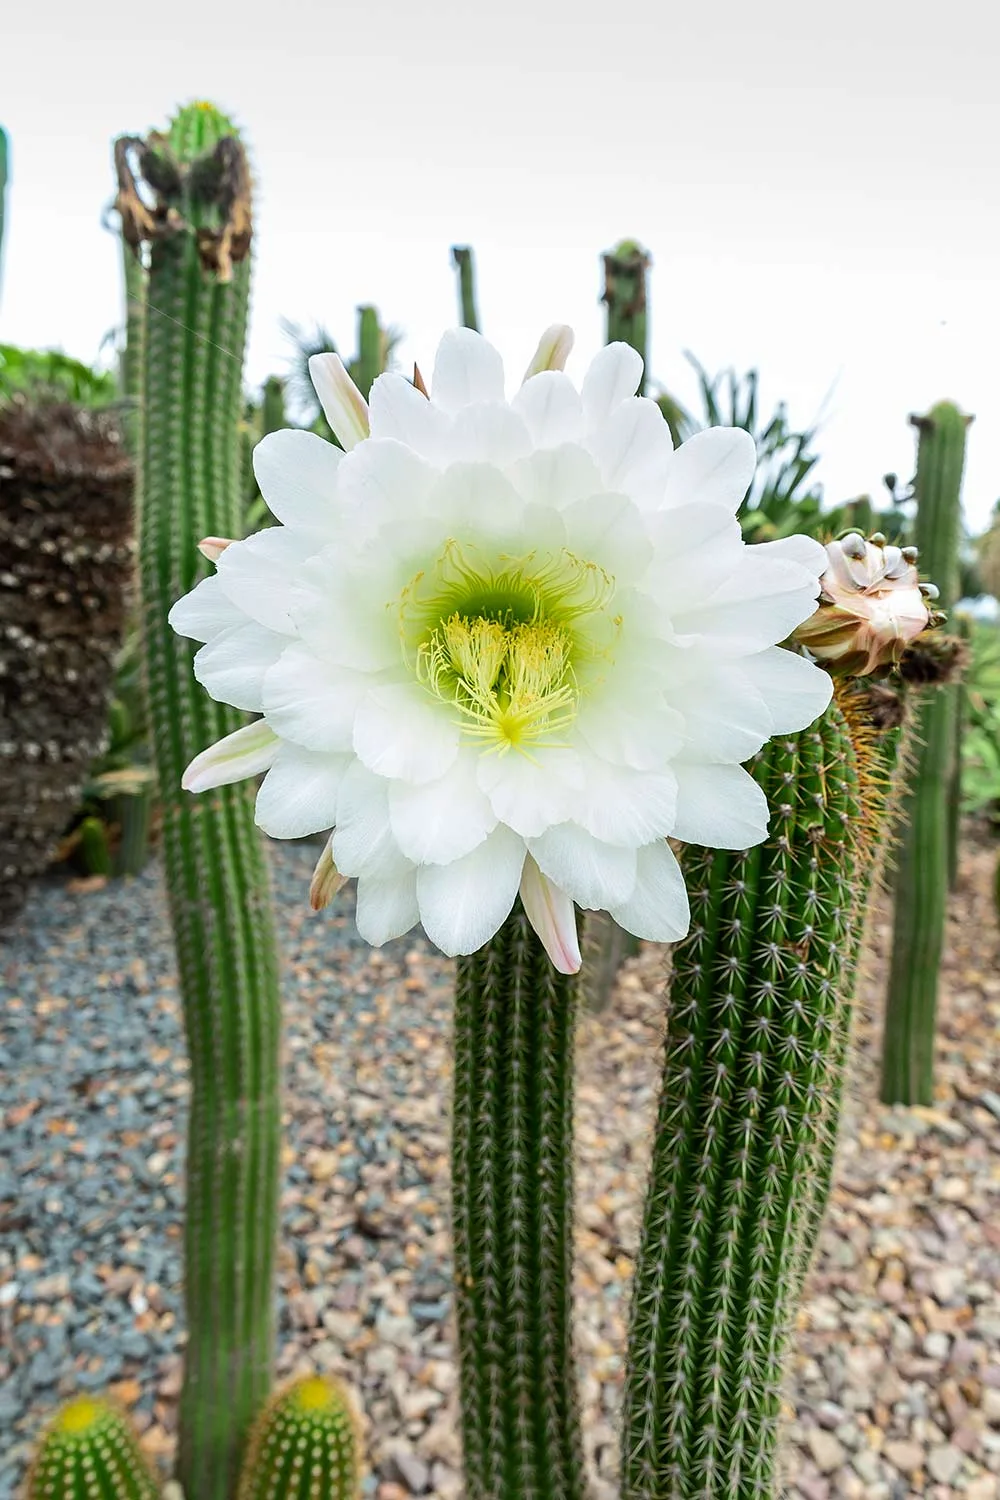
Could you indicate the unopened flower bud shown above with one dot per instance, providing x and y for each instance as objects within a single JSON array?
[{"x": 871, "y": 606}]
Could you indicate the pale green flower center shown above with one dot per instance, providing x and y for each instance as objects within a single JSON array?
[{"x": 509, "y": 643}]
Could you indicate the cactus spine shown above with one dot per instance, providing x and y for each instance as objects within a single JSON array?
[
  {"x": 304, "y": 1445},
  {"x": 754, "y": 1031},
  {"x": 198, "y": 285},
  {"x": 625, "y": 269},
  {"x": 90, "y": 1450},
  {"x": 462, "y": 259},
  {"x": 512, "y": 1195},
  {"x": 922, "y": 874}
]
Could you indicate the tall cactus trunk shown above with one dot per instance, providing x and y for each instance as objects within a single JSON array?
[
  {"x": 746, "y": 1127},
  {"x": 922, "y": 875},
  {"x": 215, "y": 871},
  {"x": 512, "y": 1196}
]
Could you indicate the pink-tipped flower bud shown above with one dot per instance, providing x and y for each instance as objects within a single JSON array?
[{"x": 870, "y": 608}]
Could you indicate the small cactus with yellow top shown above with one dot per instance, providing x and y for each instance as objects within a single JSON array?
[
  {"x": 305, "y": 1445},
  {"x": 90, "y": 1452}
]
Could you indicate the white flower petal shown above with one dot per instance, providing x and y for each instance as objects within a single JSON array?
[
  {"x": 313, "y": 702},
  {"x": 595, "y": 874},
  {"x": 443, "y": 820},
  {"x": 231, "y": 668},
  {"x": 658, "y": 908},
  {"x": 245, "y": 752},
  {"x": 299, "y": 793},
  {"x": 623, "y": 806},
  {"x": 531, "y": 793},
  {"x": 341, "y": 612},
  {"x": 759, "y": 605},
  {"x": 804, "y": 550},
  {"x": 634, "y": 451},
  {"x": 629, "y": 727},
  {"x": 796, "y": 691},
  {"x": 463, "y": 904},
  {"x": 260, "y": 574},
  {"x": 608, "y": 529},
  {"x": 557, "y": 477},
  {"x": 550, "y": 912},
  {"x": 721, "y": 807},
  {"x": 205, "y": 612},
  {"x": 613, "y": 377},
  {"x": 363, "y": 842},
  {"x": 714, "y": 467},
  {"x": 383, "y": 481},
  {"x": 475, "y": 500},
  {"x": 297, "y": 475},
  {"x": 551, "y": 409},
  {"x": 467, "y": 369},
  {"x": 343, "y": 405},
  {"x": 400, "y": 411},
  {"x": 696, "y": 548},
  {"x": 213, "y": 547},
  {"x": 386, "y": 907},
  {"x": 489, "y": 433},
  {"x": 554, "y": 348},
  {"x": 401, "y": 731},
  {"x": 725, "y": 715}
]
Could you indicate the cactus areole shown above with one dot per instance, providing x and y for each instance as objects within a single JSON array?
[{"x": 504, "y": 647}]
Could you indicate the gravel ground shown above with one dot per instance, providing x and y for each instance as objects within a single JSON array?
[{"x": 895, "y": 1382}]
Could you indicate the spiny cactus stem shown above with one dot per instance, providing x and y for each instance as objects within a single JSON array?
[
  {"x": 625, "y": 272},
  {"x": 216, "y": 876},
  {"x": 512, "y": 1166},
  {"x": 752, "y": 1028}
]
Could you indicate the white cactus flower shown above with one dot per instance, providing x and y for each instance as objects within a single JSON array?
[{"x": 504, "y": 647}]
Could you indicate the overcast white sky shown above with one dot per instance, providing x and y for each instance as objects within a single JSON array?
[{"x": 818, "y": 184}]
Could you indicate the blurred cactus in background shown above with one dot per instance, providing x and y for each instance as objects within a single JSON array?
[
  {"x": 625, "y": 297},
  {"x": 922, "y": 874},
  {"x": 184, "y": 202},
  {"x": 90, "y": 1452},
  {"x": 66, "y": 538},
  {"x": 304, "y": 1445},
  {"x": 464, "y": 263}
]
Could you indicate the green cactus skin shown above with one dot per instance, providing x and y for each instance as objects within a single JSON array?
[
  {"x": 304, "y": 1445},
  {"x": 371, "y": 351},
  {"x": 922, "y": 872},
  {"x": 464, "y": 263},
  {"x": 753, "y": 1035},
  {"x": 625, "y": 269},
  {"x": 512, "y": 1205},
  {"x": 90, "y": 1452},
  {"x": 215, "y": 870},
  {"x": 272, "y": 406}
]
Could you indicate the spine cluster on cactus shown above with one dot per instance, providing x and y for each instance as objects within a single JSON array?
[
  {"x": 754, "y": 1040},
  {"x": 512, "y": 1201},
  {"x": 304, "y": 1445},
  {"x": 90, "y": 1452},
  {"x": 923, "y": 862},
  {"x": 192, "y": 358}
]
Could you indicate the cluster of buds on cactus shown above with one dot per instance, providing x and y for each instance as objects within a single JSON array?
[{"x": 872, "y": 606}]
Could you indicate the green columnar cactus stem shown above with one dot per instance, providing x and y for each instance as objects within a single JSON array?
[
  {"x": 215, "y": 871},
  {"x": 922, "y": 875},
  {"x": 625, "y": 269},
  {"x": 371, "y": 351},
  {"x": 465, "y": 265},
  {"x": 512, "y": 1189},
  {"x": 752, "y": 1032},
  {"x": 304, "y": 1445},
  {"x": 955, "y": 771},
  {"x": 90, "y": 1452},
  {"x": 272, "y": 406}
]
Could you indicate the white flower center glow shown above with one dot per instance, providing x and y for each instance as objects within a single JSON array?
[{"x": 503, "y": 639}]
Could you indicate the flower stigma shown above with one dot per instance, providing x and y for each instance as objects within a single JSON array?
[{"x": 502, "y": 643}]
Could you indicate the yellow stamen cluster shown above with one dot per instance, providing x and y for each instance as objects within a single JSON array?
[{"x": 512, "y": 683}]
